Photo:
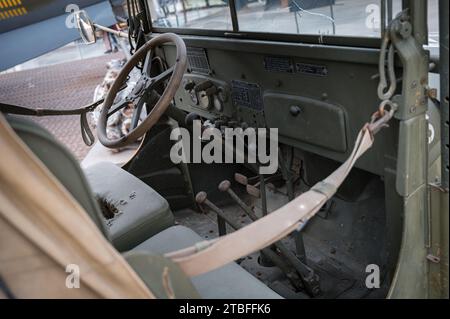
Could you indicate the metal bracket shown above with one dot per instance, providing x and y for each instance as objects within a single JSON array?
[{"x": 415, "y": 68}]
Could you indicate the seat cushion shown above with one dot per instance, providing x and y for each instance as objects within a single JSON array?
[
  {"x": 228, "y": 282},
  {"x": 162, "y": 276},
  {"x": 134, "y": 211}
]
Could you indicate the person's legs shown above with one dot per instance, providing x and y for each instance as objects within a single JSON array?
[
  {"x": 107, "y": 43},
  {"x": 114, "y": 43}
]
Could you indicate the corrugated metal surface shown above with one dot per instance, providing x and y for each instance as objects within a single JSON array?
[{"x": 62, "y": 86}]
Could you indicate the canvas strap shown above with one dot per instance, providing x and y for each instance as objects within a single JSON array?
[
  {"x": 209, "y": 255},
  {"x": 86, "y": 133},
  {"x": 43, "y": 230}
]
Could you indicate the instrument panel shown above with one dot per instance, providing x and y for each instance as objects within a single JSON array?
[{"x": 317, "y": 99}]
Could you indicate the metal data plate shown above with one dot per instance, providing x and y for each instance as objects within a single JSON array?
[
  {"x": 198, "y": 61},
  {"x": 278, "y": 64},
  {"x": 312, "y": 69},
  {"x": 286, "y": 65},
  {"x": 247, "y": 95}
]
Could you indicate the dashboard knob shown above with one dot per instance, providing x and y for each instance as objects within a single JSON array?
[
  {"x": 295, "y": 110},
  {"x": 211, "y": 90},
  {"x": 222, "y": 95},
  {"x": 232, "y": 123},
  {"x": 203, "y": 86},
  {"x": 189, "y": 86},
  {"x": 219, "y": 123}
]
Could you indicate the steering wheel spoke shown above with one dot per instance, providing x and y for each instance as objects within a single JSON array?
[
  {"x": 161, "y": 77},
  {"x": 146, "y": 69},
  {"x": 137, "y": 114},
  {"x": 122, "y": 103}
]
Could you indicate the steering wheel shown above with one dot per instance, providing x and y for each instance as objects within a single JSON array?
[{"x": 143, "y": 90}]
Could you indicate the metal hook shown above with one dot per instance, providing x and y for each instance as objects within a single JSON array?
[
  {"x": 388, "y": 47},
  {"x": 381, "y": 117}
]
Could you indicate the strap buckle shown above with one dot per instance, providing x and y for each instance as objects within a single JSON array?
[{"x": 382, "y": 116}]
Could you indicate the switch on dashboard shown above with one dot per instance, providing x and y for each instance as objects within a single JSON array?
[
  {"x": 189, "y": 85},
  {"x": 205, "y": 93}
]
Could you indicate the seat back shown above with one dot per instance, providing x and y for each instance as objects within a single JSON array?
[{"x": 60, "y": 163}]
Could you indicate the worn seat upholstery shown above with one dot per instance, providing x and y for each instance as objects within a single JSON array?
[
  {"x": 111, "y": 182},
  {"x": 135, "y": 210},
  {"x": 228, "y": 282}
]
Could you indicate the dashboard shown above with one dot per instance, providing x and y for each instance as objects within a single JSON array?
[{"x": 318, "y": 97}]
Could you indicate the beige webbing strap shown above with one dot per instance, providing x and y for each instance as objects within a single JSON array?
[
  {"x": 209, "y": 255},
  {"x": 43, "y": 230}
]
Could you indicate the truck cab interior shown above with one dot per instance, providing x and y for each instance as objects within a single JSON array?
[{"x": 318, "y": 91}]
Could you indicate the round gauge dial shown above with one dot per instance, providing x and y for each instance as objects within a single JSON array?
[
  {"x": 194, "y": 97},
  {"x": 204, "y": 100},
  {"x": 217, "y": 104}
]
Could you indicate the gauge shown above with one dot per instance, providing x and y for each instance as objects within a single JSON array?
[
  {"x": 217, "y": 104},
  {"x": 204, "y": 100},
  {"x": 222, "y": 95},
  {"x": 194, "y": 97}
]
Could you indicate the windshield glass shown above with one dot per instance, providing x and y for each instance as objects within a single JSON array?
[
  {"x": 314, "y": 17},
  {"x": 352, "y": 18},
  {"x": 197, "y": 14}
]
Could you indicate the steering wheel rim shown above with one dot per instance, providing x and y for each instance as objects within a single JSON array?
[{"x": 177, "y": 72}]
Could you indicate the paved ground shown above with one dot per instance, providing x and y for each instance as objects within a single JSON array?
[
  {"x": 62, "y": 86},
  {"x": 71, "y": 52}
]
